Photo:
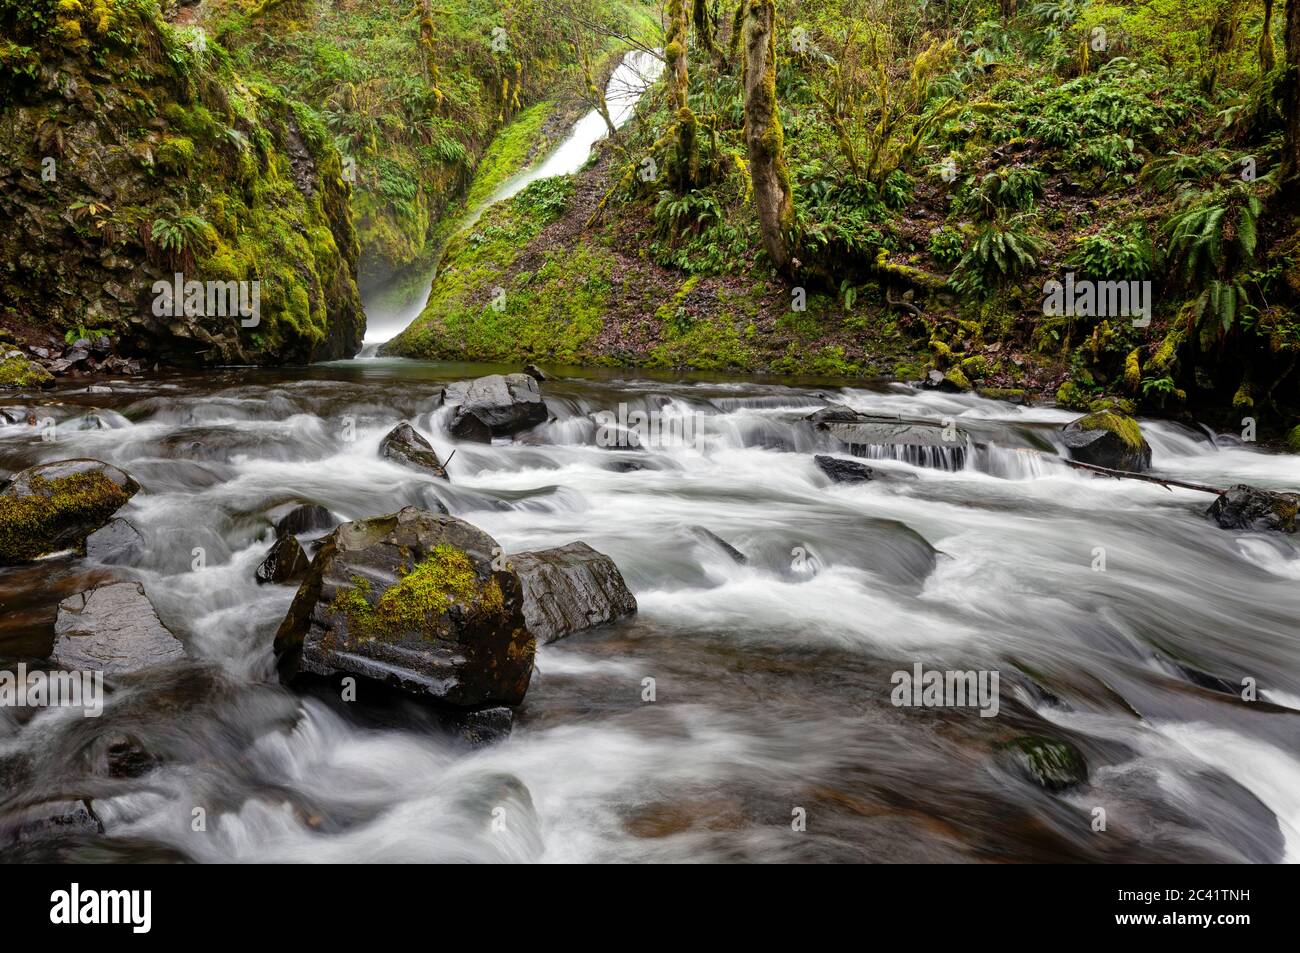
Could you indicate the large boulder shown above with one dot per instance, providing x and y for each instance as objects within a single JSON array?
[
  {"x": 57, "y": 505},
  {"x": 411, "y": 600},
  {"x": 113, "y": 629},
  {"x": 405, "y": 446},
  {"x": 494, "y": 406},
  {"x": 1108, "y": 439},
  {"x": 918, "y": 442},
  {"x": 291, "y": 519},
  {"x": 1246, "y": 507},
  {"x": 570, "y": 588},
  {"x": 19, "y": 372}
]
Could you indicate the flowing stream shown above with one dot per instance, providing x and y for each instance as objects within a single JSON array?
[{"x": 772, "y": 679}]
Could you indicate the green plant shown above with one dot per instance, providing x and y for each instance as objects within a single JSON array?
[
  {"x": 1114, "y": 253},
  {"x": 946, "y": 245},
  {"x": 1002, "y": 250},
  {"x": 180, "y": 238}
]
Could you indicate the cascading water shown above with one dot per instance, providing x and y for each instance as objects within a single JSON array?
[
  {"x": 631, "y": 78},
  {"x": 772, "y": 678}
]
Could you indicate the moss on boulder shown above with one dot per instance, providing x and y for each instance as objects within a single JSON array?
[
  {"x": 1108, "y": 438},
  {"x": 56, "y": 506},
  {"x": 20, "y": 373}
]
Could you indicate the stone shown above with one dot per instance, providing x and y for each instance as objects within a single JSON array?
[
  {"x": 55, "y": 506},
  {"x": 285, "y": 561},
  {"x": 117, "y": 542},
  {"x": 1249, "y": 508},
  {"x": 494, "y": 406},
  {"x": 1109, "y": 439},
  {"x": 405, "y": 446},
  {"x": 570, "y": 588},
  {"x": 113, "y": 629},
  {"x": 843, "y": 471},
  {"x": 414, "y": 601}
]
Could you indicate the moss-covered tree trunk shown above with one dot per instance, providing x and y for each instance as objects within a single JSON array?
[
  {"x": 1267, "y": 56},
  {"x": 763, "y": 135},
  {"x": 686, "y": 161},
  {"x": 703, "y": 25},
  {"x": 1291, "y": 89}
]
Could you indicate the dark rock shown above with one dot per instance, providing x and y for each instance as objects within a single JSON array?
[
  {"x": 121, "y": 755},
  {"x": 1054, "y": 764},
  {"x": 712, "y": 537},
  {"x": 1108, "y": 439},
  {"x": 1249, "y": 508},
  {"x": 50, "y": 819},
  {"x": 494, "y": 406},
  {"x": 413, "y": 601},
  {"x": 918, "y": 442},
  {"x": 285, "y": 562},
  {"x": 535, "y": 372},
  {"x": 290, "y": 519},
  {"x": 54, "y": 506},
  {"x": 113, "y": 629},
  {"x": 482, "y": 726},
  {"x": 116, "y": 542},
  {"x": 406, "y": 446},
  {"x": 843, "y": 471},
  {"x": 570, "y": 588}
]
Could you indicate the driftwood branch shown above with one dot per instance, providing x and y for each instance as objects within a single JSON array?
[{"x": 1129, "y": 475}]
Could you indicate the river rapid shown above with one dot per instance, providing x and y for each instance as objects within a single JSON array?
[{"x": 772, "y": 680}]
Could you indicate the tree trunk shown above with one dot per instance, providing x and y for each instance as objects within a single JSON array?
[
  {"x": 1267, "y": 55},
  {"x": 763, "y": 135},
  {"x": 1291, "y": 90},
  {"x": 685, "y": 166},
  {"x": 703, "y": 24}
]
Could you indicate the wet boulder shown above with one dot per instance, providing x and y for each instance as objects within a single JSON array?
[
  {"x": 494, "y": 406},
  {"x": 292, "y": 519},
  {"x": 843, "y": 471},
  {"x": 117, "y": 542},
  {"x": 55, "y": 506},
  {"x": 1249, "y": 508},
  {"x": 570, "y": 588},
  {"x": 285, "y": 561},
  {"x": 922, "y": 443},
  {"x": 535, "y": 372},
  {"x": 405, "y": 446},
  {"x": 17, "y": 371},
  {"x": 414, "y": 601},
  {"x": 113, "y": 629},
  {"x": 1110, "y": 439}
]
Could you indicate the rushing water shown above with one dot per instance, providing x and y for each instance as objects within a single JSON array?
[
  {"x": 637, "y": 71},
  {"x": 772, "y": 679}
]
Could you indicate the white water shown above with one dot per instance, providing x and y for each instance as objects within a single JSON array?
[
  {"x": 631, "y": 78},
  {"x": 773, "y": 678}
]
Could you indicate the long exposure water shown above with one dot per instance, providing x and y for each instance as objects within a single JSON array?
[{"x": 772, "y": 679}]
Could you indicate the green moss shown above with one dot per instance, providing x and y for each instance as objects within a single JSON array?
[
  {"x": 1126, "y": 428},
  {"x": 957, "y": 379},
  {"x": 1133, "y": 371},
  {"x": 30, "y": 526},
  {"x": 1293, "y": 439},
  {"x": 1053, "y": 764},
  {"x": 1071, "y": 395},
  {"x": 420, "y": 599},
  {"x": 18, "y": 372}
]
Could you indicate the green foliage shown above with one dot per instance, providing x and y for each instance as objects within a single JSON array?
[
  {"x": 181, "y": 237},
  {"x": 1003, "y": 249},
  {"x": 947, "y": 246},
  {"x": 1010, "y": 189},
  {"x": 1115, "y": 253}
]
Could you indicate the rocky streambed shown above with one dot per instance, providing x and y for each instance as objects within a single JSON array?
[{"x": 384, "y": 610}]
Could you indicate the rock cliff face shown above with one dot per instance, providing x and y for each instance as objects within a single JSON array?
[{"x": 131, "y": 152}]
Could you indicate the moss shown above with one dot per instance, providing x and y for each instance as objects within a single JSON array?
[
  {"x": 1071, "y": 395},
  {"x": 1014, "y": 395},
  {"x": 18, "y": 372},
  {"x": 957, "y": 379},
  {"x": 976, "y": 366},
  {"x": 1243, "y": 399},
  {"x": 30, "y": 526},
  {"x": 1126, "y": 428},
  {"x": 1053, "y": 764},
  {"x": 420, "y": 599},
  {"x": 1133, "y": 371}
]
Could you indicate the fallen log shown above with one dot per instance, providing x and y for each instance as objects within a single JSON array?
[{"x": 1166, "y": 482}]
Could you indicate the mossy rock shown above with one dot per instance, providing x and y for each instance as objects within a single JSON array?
[
  {"x": 413, "y": 601},
  {"x": 957, "y": 379},
  {"x": 1246, "y": 507},
  {"x": 1012, "y": 395},
  {"x": 1054, "y": 764},
  {"x": 1073, "y": 396},
  {"x": 55, "y": 506},
  {"x": 1293, "y": 439},
  {"x": 1107, "y": 438},
  {"x": 19, "y": 373}
]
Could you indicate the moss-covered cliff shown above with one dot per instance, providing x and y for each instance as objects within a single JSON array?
[{"x": 132, "y": 150}]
